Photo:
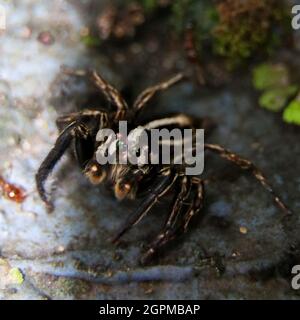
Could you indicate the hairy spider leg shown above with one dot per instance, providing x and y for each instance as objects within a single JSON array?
[
  {"x": 111, "y": 94},
  {"x": 148, "y": 93},
  {"x": 64, "y": 120},
  {"x": 188, "y": 204},
  {"x": 249, "y": 166},
  {"x": 180, "y": 198},
  {"x": 61, "y": 145},
  {"x": 77, "y": 131},
  {"x": 163, "y": 184},
  {"x": 93, "y": 120},
  {"x": 180, "y": 120}
]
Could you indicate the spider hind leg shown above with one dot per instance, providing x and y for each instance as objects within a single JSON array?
[
  {"x": 247, "y": 165},
  {"x": 188, "y": 203},
  {"x": 163, "y": 184}
]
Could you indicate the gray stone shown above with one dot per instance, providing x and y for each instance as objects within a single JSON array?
[{"x": 67, "y": 254}]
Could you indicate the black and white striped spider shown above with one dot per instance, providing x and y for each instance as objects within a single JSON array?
[{"x": 152, "y": 182}]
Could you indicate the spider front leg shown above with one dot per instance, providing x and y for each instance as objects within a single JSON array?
[
  {"x": 112, "y": 95},
  {"x": 61, "y": 145},
  {"x": 162, "y": 185},
  {"x": 82, "y": 128},
  {"x": 249, "y": 166},
  {"x": 100, "y": 116},
  {"x": 148, "y": 93},
  {"x": 188, "y": 204}
]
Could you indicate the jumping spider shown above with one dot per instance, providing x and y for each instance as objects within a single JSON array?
[{"x": 80, "y": 129}]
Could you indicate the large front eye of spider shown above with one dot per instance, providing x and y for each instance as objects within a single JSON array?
[
  {"x": 123, "y": 189},
  {"x": 94, "y": 172}
]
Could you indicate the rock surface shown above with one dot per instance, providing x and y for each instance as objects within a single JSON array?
[{"x": 67, "y": 254}]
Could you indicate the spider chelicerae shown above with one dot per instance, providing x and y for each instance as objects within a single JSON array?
[{"x": 151, "y": 182}]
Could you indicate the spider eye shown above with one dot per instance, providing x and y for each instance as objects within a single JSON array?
[
  {"x": 122, "y": 190},
  {"x": 94, "y": 172}
]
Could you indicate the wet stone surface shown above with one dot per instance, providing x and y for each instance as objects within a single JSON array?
[{"x": 67, "y": 254}]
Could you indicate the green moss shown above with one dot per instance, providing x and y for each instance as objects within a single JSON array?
[
  {"x": 149, "y": 5},
  {"x": 266, "y": 76},
  {"x": 16, "y": 276},
  {"x": 274, "y": 82},
  {"x": 276, "y": 99},
  {"x": 202, "y": 15},
  {"x": 234, "y": 31},
  {"x": 247, "y": 30},
  {"x": 91, "y": 41},
  {"x": 292, "y": 113}
]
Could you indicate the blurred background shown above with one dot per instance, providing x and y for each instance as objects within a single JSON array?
[{"x": 241, "y": 59}]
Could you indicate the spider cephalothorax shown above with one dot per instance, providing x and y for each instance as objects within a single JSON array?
[{"x": 152, "y": 182}]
